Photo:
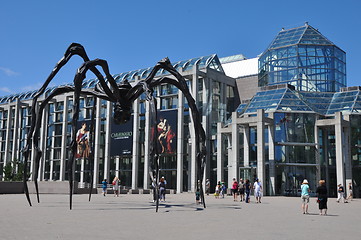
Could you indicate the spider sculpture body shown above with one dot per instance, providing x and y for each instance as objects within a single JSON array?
[{"x": 122, "y": 96}]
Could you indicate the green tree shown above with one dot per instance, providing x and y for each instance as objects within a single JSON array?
[{"x": 13, "y": 171}]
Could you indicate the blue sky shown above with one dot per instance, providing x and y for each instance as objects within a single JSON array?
[{"x": 135, "y": 34}]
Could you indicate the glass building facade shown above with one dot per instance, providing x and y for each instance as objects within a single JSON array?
[
  {"x": 305, "y": 135},
  {"x": 304, "y": 58},
  {"x": 213, "y": 91},
  {"x": 302, "y": 122}
]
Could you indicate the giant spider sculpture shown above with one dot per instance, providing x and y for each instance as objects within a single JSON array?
[{"x": 122, "y": 96}]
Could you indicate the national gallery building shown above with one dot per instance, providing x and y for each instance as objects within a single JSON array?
[{"x": 281, "y": 117}]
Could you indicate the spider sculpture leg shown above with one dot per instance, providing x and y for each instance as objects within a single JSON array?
[
  {"x": 116, "y": 96},
  {"x": 154, "y": 155},
  {"x": 73, "y": 49},
  {"x": 149, "y": 83},
  {"x": 37, "y": 148}
]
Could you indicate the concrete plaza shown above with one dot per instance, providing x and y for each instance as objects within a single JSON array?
[{"x": 133, "y": 216}]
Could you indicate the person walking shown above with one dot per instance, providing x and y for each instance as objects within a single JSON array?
[
  {"x": 322, "y": 197},
  {"x": 154, "y": 186},
  {"x": 208, "y": 186},
  {"x": 305, "y": 196},
  {"x": 104, "y": 186},
  {"x": 247, "y": 189},
  {"x": 223, "y": 189},
  {"x": 341, "y": 193},
  {"x": 116, "y": 185},
  {"x": 241, "y": 189},
  {"x": 198, "y": 196},
  {"x": 350, "y": 192},
  {"x": 235, "y": 189},
  {"x": 217, "y": 190},
  {"x": 257, "y": 186},
  {"x": 162, "y": 186}
]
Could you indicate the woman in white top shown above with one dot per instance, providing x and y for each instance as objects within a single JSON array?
[{"x": 116, "y": 184}]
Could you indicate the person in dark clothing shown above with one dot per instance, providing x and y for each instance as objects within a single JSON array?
[
  {"x": 162, "y": 185},
  {"x": 322, "y": 197},
  {"x": 247, "y": 189},
  {"x": 341, "y": 193}
]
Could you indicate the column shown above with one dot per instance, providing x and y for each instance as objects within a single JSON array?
[
  {"x": 340, "y": 168},
  {"x": 64, "y": 140},
  {"x": 135, "y": 152},
  {"x": 192, "y": 133},
  {"x": 42, "y": 143},
  {"x": 51, "y": 161},
  {"x": 233, "y": 164},
  {"x": 206, "y": 120},
  {"x": 117, "y": 164},
  {"x": 261, "y": 148},
  {"x": 347, "y": 147},
  {"x": 317, "y": 154},
  {"x": 16, "y": 127},
  {"x": 271, "y": 154},
  {"x": 180, "y": 142},
  {"x": 97, "y": 142},
  {"x": 1, "y": 111},
  {"x": 107, "y": 141},
  {"x": 7, "y": 141},
  {"x": 246, "y": 145},
  {"x": 146, "y": 145},
  {"x": 220, "y": 153}
]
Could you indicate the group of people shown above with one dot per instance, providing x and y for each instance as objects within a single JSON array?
[
  {"x": 115, "y": 186},
  {"x": 341, "y": 193},
  {"x": 322, "y": 196},
  {"x": 162, "y": 187},
  {"x": 241, "y": 188}
]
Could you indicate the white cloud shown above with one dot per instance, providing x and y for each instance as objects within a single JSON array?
[
  {"x": 8, "y": 71},
  {"x": 5, "y": 89},
  {"x": 33, "y": 87}
]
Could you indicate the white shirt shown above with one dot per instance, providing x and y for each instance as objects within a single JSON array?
[{"x": 257, "y": 186}]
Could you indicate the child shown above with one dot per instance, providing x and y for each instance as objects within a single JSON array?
[
  {"x": 104, "y": 186},
  {"x": 198, "y": 195},
  {"x": 223, "y": 189},
  {"x": 216, "y": 193}
]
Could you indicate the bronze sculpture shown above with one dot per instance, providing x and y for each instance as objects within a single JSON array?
[{"x": 122, "y": 96}]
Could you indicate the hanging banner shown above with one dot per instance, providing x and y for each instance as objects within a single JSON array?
[
  {"x": 82, "y": 139},
  {"x": 121, "y": 138},
  {"x": 167, "y": 131}
]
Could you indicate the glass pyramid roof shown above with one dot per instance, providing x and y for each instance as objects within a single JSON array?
[{"x": 301, "y": 35}]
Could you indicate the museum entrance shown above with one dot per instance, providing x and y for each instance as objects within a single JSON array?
[
  {"x": 121, "y": 166},
  {"x": 247, "y": 173},
  {"x": 289, "y": 178}
]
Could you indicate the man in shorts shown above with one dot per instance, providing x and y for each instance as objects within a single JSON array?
[
  {"x": 257, "y": 186},
  {"x": 305, "y": 197}
]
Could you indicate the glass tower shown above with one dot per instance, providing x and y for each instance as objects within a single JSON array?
[{"x": 304, "y": 58}]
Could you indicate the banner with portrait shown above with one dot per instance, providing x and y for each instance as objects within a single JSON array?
[
  {"x": 167, "y": 131},
  {"x": 82, "y": 139},
  {"x": 121, "y": 138}
]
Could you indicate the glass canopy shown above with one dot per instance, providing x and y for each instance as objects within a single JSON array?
[
  {"x": 288, "y": 99},
  {"x": 211, "y": 61}
]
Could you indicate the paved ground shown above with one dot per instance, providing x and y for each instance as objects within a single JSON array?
[{"x": 134, "y": 217}]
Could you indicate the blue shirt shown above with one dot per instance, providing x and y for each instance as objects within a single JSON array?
[
  {"x": 304, "y": 189},
  {"x": 105, "y": 184}
]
